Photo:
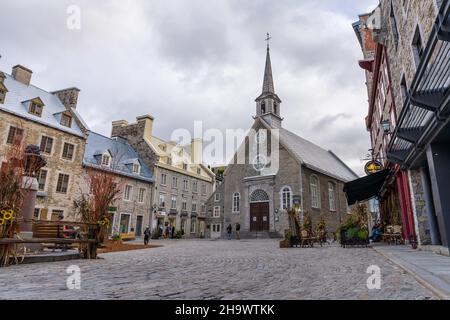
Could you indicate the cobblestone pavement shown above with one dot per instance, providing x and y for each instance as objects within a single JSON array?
[{"x": 203, "y": 269}]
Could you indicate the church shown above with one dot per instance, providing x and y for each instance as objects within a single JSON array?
[{"x": 274, "y": 170}]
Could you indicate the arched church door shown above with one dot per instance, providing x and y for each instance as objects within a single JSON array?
[{"x": 259, "y": 211}]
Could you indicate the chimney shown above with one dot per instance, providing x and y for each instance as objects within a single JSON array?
[
  {"x": 197, "y": 151},
  {"x": 2, "y": 77},
  {"x": 146, "y": 121},
  {"x": 22, "y": 74},
  {"x": 117, "y": 128},
  {"x": 68, "y": 97}
]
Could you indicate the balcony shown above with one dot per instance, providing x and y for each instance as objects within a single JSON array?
[{"x": 427, "y": 106}]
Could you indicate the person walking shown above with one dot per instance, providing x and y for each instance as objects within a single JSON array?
[
  {"x": 238, "y": 231},
  {"x": 229, "y": 230},
  {"x": 173, "y": 232},
  {"x": 146, "y": 235}
]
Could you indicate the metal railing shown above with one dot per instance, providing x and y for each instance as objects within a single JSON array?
[{"x": 427, "y": 103}]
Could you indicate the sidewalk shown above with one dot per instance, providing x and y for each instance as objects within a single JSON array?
[{"x": 430, "y": 269}]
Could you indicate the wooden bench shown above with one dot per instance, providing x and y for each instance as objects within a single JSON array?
[
  {"x": 128, "y": 236},
  {"x": 54, "y": 231}
]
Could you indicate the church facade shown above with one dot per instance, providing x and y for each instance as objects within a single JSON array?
[{"x": 273, "y": 170}]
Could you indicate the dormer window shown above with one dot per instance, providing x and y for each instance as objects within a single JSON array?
[
  {"x": 66, "y": 120},
  {"x": 36, "y": 108},
  {"x": 169, "y": 161},
  {"x": 163, "y": 147},
  {"x": 185, "y": 166},
  {"x": 199, "y": 171},
  {"x": 136, "y": 168},
  {"x": 106, "y": 160}
]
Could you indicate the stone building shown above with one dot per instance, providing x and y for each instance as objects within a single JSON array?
[
  {"x": 416, "y": 35},
  {"x": 30, "y": 115},
  {"x": 182, "y": 182},
  {"x": 274, "y": 169},
  {"x": 131, "y": 213}
]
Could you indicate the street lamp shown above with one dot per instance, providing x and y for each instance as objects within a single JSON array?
[{"x": 386, "y": 125}]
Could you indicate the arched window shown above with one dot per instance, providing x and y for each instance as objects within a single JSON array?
[
  {"x": 263, "y": 107},
  {"x": 286, "y": 198},
  {"x": 259, "y": 196},
  {"x": 236, "y": 202},
  {"x": 331, "y": 196},
  {"x": 315, "y": 195}
]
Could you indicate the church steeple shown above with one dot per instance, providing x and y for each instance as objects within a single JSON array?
[{"x": 268, "y": 103}]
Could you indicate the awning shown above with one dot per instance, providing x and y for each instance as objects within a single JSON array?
[{"x": 366, "y": 187}]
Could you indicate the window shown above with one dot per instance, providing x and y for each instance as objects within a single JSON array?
[
  {"x": 106, "y": 160},
  {"x": 68, "y": 150},
  {"x": 263, "y": 107},
  {"x": 194, "y": 207},
  {"x": 394, "y": 28},
  {"x": 42, "y": 179},
  {"x": 46, "y": 145},
  {"x": 185, "y": 166},
  {"x": 163, "y": 179},
  {"x": 35, "y": 108},
  {"x": 136, "y": 168},
  {"x": 194, "y": 186},
  {"x": 184, "y": 205},
  {"x": 203, "y": 208},
  {"x": 169, "y": 161},
  {"x": 36, "y": 214},
  {"x": 141, "y": 195},
  {"x": 216, "y": 213},
  {"x": 162, "y": 200},
  {"x": 128, "y": 192},
  {"x": 275, "y": 108},
  {"x": 331, "y": 196},
  {"x": 66, "y": 120},
  {"x": 174, "y": 202},
  {"x": 216, "y": 227},
  {"x": 174, "y": 182},
  {"x": 203, "y": 188},
  {"x": 63, "y": 183},
  {"x": 199, "y": 171},
  {"x": 404, "y": 89},
  {"x": 185, "y": 185},
  {"x": 14, "y": 135},
  {"x": 57, "y": 215},
  {"x": 236, "y": 202},
  {"x": 193, "y": 223},
  {"x": 286, "y": 198},
  {"x": 417, "y": 46},
  {"x": 315, "y": 199},
  {"x": 217, "y": 197}
]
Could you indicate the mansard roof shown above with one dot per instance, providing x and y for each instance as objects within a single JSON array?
[
  {"x": 19, "y": 93},
  {"x": 123, "y": 156}
]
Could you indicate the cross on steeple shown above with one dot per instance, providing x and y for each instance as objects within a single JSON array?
[{"x": 268, "y": 40}]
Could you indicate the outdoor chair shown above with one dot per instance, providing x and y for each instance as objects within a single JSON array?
[{"x": 307, "y": 239}]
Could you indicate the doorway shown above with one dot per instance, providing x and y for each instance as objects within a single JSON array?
[
  {"x": 259, "y": 216},
  {"x": 139, "y": 220}
]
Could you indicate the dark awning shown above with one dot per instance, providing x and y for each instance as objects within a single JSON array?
[{"x": 366, "y": 187}]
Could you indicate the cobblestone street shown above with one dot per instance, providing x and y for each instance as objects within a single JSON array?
[{"x": 202, "y": 269}]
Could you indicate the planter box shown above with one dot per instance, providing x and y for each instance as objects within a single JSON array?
[{"x": 353, "y": 242}]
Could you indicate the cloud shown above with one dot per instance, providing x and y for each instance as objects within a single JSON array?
[{"x": 199, "y": 60}]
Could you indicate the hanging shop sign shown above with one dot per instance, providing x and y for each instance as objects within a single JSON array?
[{"x": 373, "y": 166}]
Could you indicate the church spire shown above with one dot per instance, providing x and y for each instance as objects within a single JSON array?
[
  {"x": 268, "y": 103},
  {"x": 268, "y": 79}
]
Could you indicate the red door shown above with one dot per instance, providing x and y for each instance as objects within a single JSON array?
[{"x": 259, "y": 216}]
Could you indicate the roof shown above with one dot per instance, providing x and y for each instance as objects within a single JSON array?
[
  {"x": 123, "y": 156},
  {"x": 18, "y": 93},
  {"x": 315, "y": 157}
]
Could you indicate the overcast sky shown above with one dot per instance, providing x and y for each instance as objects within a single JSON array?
[{"x": 182, "y": 61}]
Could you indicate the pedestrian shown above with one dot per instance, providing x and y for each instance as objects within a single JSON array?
[
  {"x": 173, "y": 232},
  {"x": 229, "y": 230},
  {"x": 238, "y": 231},
  {"x": 166, "y": 234},
  {"x": 146, "y": 235},
  {"x": 161, "y": 231}
]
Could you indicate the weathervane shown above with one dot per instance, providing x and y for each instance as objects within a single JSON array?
[{"x": 268, "y": 40}]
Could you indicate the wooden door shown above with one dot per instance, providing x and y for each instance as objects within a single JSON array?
[
  {"x": 259, "y": 216},
  {"x": 138, "y": 231}
]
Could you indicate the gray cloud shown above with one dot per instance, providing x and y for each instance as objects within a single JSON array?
[{"x": 199, "y": 60}]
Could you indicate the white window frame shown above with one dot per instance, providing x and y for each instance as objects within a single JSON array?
[
  {"x": 73, "y": 154},
  {"x": 216, "y": 212},
  {"x": 174, "y": 182},
  {"x": 236, "y": 201},
  {"x": 217, "y": 197},
  {"x": 106, "y": 159},
  {"x": 141, "y": 195},
  {"x": 163, "y": 179},
  {"x": 162, "y": 196},
  {"x": 193, "y": 223},
  {"x": 136, "y": 168},
  {"x": 68, "y": 183},
  {"x": 286, "y": 190},
  {"x": 130, "y": 193},
  {"x": 173, "y": 200},
  {"x": 53, "y": 144},
  {"x": 315, "y": 192},
  {"x": 332, "y": 196},
  {"x": 185, "y": 185},
  {"x": 194, "y": 206}
]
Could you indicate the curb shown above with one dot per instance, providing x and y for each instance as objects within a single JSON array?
[{"x": 434, "y": 290}]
